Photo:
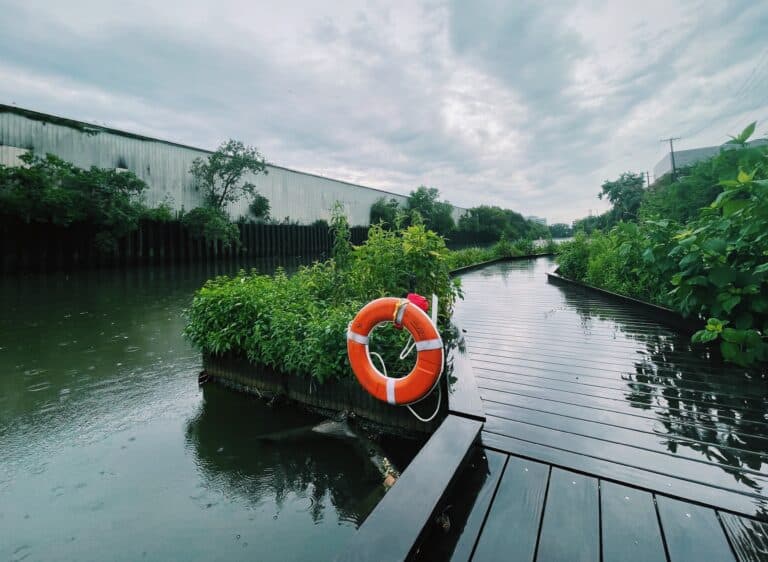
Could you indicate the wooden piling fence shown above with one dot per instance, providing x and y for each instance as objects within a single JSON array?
[{"x": 46, "y": 247}]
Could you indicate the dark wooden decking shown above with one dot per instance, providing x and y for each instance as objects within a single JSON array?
[
  {"x": 573, "y": 379},
  {"x": 521, "y": 509},
  {"x": 604, "y": 435}
]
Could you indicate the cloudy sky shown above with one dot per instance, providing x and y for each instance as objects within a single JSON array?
[{"x": 524, "y": 104}]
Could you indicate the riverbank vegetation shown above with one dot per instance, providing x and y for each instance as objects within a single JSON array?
[
  {"x": 698, "y": 244},
  {"x": 47, "y": 189},
  {"x": 297, "y": 324},
  {"x": 481, "y": 225}
]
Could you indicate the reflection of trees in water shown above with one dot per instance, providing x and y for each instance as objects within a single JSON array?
[
  {"x": 224, "y": 437},
  {"x": 718, "y": 410}
]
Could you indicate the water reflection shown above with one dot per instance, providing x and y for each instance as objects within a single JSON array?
[
  {"x": 111, "y": 452},
  {"x": 717, "y": 411},
  {"x": 224, "y": 437}
]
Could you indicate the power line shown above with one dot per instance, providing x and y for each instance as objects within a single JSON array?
[{"x": 747, "y": 85}]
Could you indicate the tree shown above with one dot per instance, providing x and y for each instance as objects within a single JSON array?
[
  {"x": 490, "y": 223},
  {"x": 259, "y": 207},
  {"x": 625, "y": 194},
  {"x": 385, "y": 211},
  {"x": 220, "y": 174},
  {"x": 51, "y": 190},
  {"x": 437, "y": 215},
  {"x": 560, "y": 230}
]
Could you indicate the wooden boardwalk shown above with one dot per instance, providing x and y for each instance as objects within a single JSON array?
[{"x": 603, "y": 436}]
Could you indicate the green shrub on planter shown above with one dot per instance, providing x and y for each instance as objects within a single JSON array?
[{"x": 298, "y": 324}]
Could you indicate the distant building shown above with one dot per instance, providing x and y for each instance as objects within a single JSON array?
[
  {"x": 687, "y": 157},
  {"x": 539, "y": 220}
]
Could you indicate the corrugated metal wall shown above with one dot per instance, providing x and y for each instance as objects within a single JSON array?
[{"x": 165, "y": 168}]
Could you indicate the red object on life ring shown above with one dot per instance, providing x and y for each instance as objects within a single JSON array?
[{"x": 429, "y": 346}]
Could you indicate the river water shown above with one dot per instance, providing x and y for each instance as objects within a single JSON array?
[{"x": 110, "y": 451}]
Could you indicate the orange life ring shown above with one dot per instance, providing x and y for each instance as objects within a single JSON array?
[{"x": 429, "y": 346}]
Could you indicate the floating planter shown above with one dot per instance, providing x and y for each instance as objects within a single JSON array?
[{"x": 332, "y": 398}]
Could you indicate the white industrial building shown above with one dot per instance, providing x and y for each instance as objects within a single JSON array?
[
  {"x": 689, "y": 157},
  {"x": 164, "y": 166}
]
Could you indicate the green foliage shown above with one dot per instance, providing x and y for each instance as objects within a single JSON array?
[
  {"x": 50, "y": 190},
  {"x": 560, "y": 230},
  {"x": 625, "y": 194},
  {"x": 259, "y": 207},
  {"x": 212, "y": 225},
  {"x": 220, "y": 174},
  {"x": 699, "y": 184},
  {"x": 502, "y": 249},
  {"x": 617, "y": 260},
  {"x": 298, "y": 324},
  {"x": 162, "y": 213},
  {"x": 490, "y": 223},
  {"x": 594, "y": 222},
  {"x": 385, "y": 211},
  {"x": 437, "y": 215},
  {"x": 715, "y": 266},
  {"x": 341, "y": 249},
  {"x": 390, "y": 260}
]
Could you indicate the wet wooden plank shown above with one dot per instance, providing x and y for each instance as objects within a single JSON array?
[
  {"x": 513, "y": 521},
  {"x": 664, "y": 464},
  {"x": 692, "y": 532},
  {"x": 394, "y": 527},
  {"x": 570, "y": 530},
  {"x": 474, "y": 523},
  {"x": 630, "y": 527},
  {"x": 669, "y": 449},
  {"x": 463, "y": 396},
  {"x": 748, "y": 537},
  {"x": 617, "y": 470}
]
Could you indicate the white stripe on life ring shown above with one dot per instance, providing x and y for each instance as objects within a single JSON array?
[
  {"x": 391, "y": 390},
  {"x": 358, "y": 338},
  {"x": 424, "y": 345}
]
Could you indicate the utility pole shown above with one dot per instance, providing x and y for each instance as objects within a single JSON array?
[
  {"x": 670, "y": 140},
  {"x": 647, "y": 179}
]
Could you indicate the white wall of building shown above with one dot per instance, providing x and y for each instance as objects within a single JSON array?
[{"x": 164, "y": 166}]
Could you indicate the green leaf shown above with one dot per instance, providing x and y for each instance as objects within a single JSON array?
[
  {"x": 744, "y": 177},
  {"x": 688, "y": 260},
  {"x": 734, "y": 336},
  {"x": 715, "y": 245},
  {"x": 730, "y": 207},
  {"x": 721, "y": 275},
  {"x": 761, "y": 268},
  {"x": 743, "y": 137},
  {"x": 730, "y": 351},
  {"x": 704, "y": 336},
  {"x": 728, "y": 301}
]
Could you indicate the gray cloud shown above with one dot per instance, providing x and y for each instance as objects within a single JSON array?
[{"x": 528, "y": 105}]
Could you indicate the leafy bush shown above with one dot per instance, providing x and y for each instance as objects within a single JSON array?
[
  {"x": 437, "y": 215},
  {"x": 211, "y": 224},
  {"x": 50, "y": 190},
  {"x": 490, "y": 223},
  {"x": 385, "y": 211},
  {"x": 298, "y": 324},
  {"x": 162, "y": 213},
  {"x": 723, "y": 267},
  {"x": 259, "y": 208},
  {"x": 714, "y": 267}
]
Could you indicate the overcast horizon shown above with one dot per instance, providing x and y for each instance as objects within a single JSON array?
[{"x": 525, "y": 106}]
